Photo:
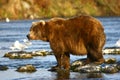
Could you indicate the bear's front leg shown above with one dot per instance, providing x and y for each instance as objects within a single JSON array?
[
  {"x": 58, "y": 57},
  {"x": 63, "y": 61}
]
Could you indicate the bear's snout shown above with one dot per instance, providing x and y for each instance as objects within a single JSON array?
[{"x": 28, "y": 36}]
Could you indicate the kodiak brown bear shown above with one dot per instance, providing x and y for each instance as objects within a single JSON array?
[{"x": 82, "y": 35}]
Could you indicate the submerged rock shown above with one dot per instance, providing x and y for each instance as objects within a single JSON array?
[
  {"x": 110, "y": 66},
  {"x": 2, "y": 67},
  {"x": 26, "y": 68}
]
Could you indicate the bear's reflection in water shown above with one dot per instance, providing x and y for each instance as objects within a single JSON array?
[
  {"x": 67, "y": 75},
  {"x": 63, "y": 74}
]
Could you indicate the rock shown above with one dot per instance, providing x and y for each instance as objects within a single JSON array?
[
  {"x": 2, "y": 67},
  {"x": 78, "y": 66},
  {"x": 110, "y": 60},
  {"x": 110, "y": 66},
  {"x": 75, "y": 64},
  {"x": 90, "y": 69},
  {"x": 26, "y": 68},
  {"x": 18, "y": 55},
  {"x": 111, "y": 50},
  {"x": 27, "y": 55},
  {"x": 110, "y": 69},
  {"x": 7, "y": 55},
  {"x": 41, "y": 53},
  {"x": 118, "y": 65}
]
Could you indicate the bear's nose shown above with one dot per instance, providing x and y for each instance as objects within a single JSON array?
[{"x": 28, "y": 36}]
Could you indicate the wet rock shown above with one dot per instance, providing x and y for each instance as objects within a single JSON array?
[
  {"x": 118, "y": 65},
  {"x": 110, "y": 66},
  {"x": 2, "y": 67},
  {"x": 26, "y": 55},
  {"x": 26, "y": 68},
  {"x": 110, "y": 69},
  {"x": 18, "y": 55},
  {"x": 110, "y": 60},
  {"x": 76, "y": 64},
  {"x": 111, "y": 50},
  {"x": 7, "y": 55},
  {"x": 41, "y": 53},
  {"x": 90, "y": 68}
]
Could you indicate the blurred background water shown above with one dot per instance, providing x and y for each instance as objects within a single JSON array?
[{"x": 18, "y": 29}]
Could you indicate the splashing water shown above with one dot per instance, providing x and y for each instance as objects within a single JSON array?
[
  {"x": 117, "y": 44},
  {"x": 20, "y": 46}
]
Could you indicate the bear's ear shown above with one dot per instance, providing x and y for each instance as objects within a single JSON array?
[
  {"x": 42, "y": 22},
  {"x": 34, "y": 23}
]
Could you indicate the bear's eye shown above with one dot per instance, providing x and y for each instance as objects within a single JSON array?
[
  {"x": 31, "y": 32},
  {"x": 35, "y": 28}
]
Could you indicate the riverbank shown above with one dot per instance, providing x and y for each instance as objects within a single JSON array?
[{"x": 34, "y": 9}]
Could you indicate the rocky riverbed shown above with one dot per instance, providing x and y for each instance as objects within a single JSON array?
[{"x": 111, "y": 65}]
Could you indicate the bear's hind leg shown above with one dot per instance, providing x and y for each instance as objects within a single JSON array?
[
  {"x": 88, "y": 60},
  {"x": 63, "y": 62},
  {"x": 95, "y": 56},
  {"x": 66, "y": 61}
]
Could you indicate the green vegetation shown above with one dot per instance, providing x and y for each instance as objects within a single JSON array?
[{"x": 31, "y": 9}]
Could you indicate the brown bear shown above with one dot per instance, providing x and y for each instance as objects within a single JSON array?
[{"x": 78, "y": 36}]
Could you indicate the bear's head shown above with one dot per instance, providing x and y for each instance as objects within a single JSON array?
[{"x": 37, "y": 31}]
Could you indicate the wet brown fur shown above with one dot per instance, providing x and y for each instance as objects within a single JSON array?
[{"x": 78, "y": 36}]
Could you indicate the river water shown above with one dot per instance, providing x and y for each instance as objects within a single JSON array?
[{"x": 17, "y": 30}]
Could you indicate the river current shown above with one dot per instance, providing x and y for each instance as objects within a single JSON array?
[{"x": 18, "y": 29}]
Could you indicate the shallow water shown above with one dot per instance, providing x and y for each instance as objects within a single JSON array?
[{"x": 17, "y": 30}]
